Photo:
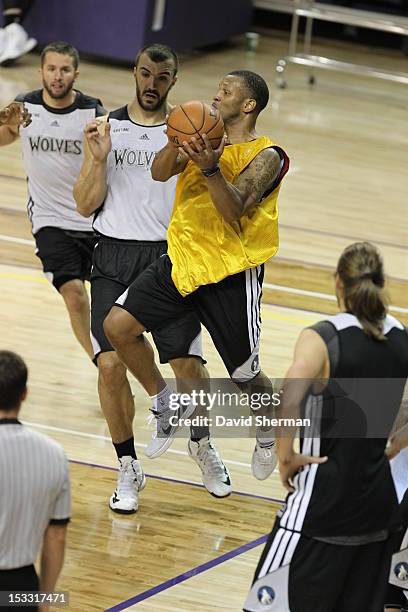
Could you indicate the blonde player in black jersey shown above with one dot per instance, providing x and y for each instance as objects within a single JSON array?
[
  {"x": 132, "y": 215},
  {"x": 331, "y": 541},
  {"x": 49, "y": 123}
]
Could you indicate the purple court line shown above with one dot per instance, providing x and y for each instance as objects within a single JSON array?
[
  {"x": 187, "y": 575},
  {"x": 184, "y": 482}
]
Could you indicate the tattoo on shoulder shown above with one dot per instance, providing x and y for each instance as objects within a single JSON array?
[{"x": 259, "y": 176}]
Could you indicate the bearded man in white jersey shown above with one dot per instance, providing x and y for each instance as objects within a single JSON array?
[
  {"x": 132, "y": 213},
  {"x": 50, "y": 122}
]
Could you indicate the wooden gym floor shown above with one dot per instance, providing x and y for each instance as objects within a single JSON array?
[{"x": 185, "y": 550}]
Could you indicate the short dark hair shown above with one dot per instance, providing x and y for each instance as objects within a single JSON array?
[
  {"x": 13, "y": 380},
  {"x": 256, "y": 86},
  {"x": 159, "y": 53},
  {"x": 63, "y": 48}
]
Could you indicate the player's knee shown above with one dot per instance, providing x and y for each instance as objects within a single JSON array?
[
  {"x": 75, "y": 297},
  {"x": 111, "y": 370},
  {"x": 120, "y": 326},
  {"x": 188, "y": 368},
  {"x": 113, "y": 326}
]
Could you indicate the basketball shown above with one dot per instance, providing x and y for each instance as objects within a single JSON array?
[{"x": 194, "y": 119}]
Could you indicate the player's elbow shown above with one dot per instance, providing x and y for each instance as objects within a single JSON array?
[
  {"x": 158, "y": 174},
  {"x": 232, "y": 214},
  {"x": 56, "y": 532},
  {"x": 82, "y": 206},
  {"x": 232, "y": 217},
  {"x": 83, "y": 209},
  {"x": 84, "y": 212}
]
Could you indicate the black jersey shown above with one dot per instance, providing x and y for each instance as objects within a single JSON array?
[{"x": 352, "y": 495}]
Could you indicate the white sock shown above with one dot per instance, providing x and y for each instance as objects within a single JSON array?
[
  {"x": 265, "y": 438},
  {"x": 204, "y": 440},
  {"x": 161, "y": 401}
]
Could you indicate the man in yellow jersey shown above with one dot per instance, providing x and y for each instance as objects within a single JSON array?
[{"x": 223, "y": 229}]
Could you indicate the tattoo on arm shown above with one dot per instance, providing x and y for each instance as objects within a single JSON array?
[{"x": 258, "y": 177}]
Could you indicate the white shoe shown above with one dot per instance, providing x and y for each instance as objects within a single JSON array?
[
  {"x": 264, "y": 460},
  {"x": 15, "y": 44},
  {"x": 165, "y": 430},
  {"x": 216, "y": 477},
  {"x": 131, "y": 480}
]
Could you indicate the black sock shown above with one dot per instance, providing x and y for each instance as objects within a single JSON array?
[
  {"x": 126, "y": 448},
  {"x": 198, "y": 433}
]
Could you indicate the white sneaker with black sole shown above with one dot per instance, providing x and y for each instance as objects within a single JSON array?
[
  {"x": 264, "y": 460},
  {"x": 16, "y": 43},
  {"x": 167, "y": 424},
  {"x": 131, "y": 480},
  {"x": 215, "y": 474}
]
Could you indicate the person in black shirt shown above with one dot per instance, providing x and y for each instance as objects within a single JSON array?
[
  {"x": 396, "y": 599},
  {"x": 331, "y": 540}
]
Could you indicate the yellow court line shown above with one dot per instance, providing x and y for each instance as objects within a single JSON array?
[
  {"x": 266, "y": 313},
  {"x": 266, "y": 309},
  {"x": 23, "y": 277}
]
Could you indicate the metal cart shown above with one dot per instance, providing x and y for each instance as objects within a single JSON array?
[{"x": 312, "y": 10}]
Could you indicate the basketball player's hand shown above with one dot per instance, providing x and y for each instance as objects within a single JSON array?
[
  {"x": 295, "y": 463},
  {"x": 97, "y": 134},
  {"x": 15, "y": 115},
  {"x": 397, "y": 442},
  {"x": 202, "y": 153}
]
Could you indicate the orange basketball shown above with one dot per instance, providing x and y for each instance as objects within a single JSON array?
[{"x": 193, "y": 119}]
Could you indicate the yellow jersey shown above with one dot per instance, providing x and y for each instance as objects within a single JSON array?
[{"x": 202, "y": 246}]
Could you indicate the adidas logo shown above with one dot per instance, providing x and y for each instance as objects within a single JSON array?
[
  {"x": 144, "y": 137},
  {"x": 55, "y": 124}
]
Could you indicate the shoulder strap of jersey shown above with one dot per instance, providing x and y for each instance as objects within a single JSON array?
[{"x": 330, "y": 337}]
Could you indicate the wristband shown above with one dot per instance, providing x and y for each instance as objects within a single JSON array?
[{"x": 211, "y": 171}]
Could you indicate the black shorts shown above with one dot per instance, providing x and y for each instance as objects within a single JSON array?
[
  {"x": 21, "y": 579},
  {"x": 230, "y": 310},
  {"x": 65, "y": 255},
  {"x": 396, "y": 599},
  {"x": 116, "y": 265},
  {"x": 397, "y": 593},
  {"x": 300, "y": 574}
]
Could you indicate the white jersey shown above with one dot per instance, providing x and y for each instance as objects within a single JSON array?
[
  {"x": 136, "y": 207},
  {"x": 52, "y": 157}
]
